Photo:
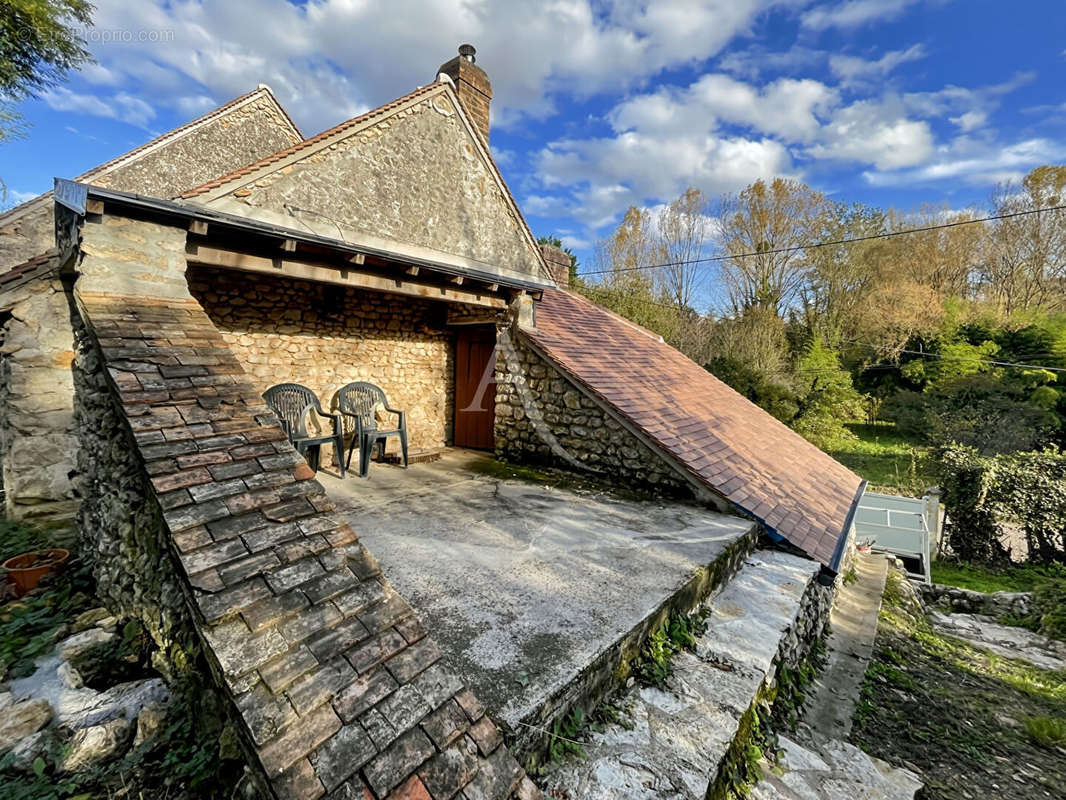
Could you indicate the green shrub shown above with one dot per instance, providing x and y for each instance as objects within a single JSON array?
[
  {"x": 974, "y": 411},
  {"x": 1049, "y": 609}
]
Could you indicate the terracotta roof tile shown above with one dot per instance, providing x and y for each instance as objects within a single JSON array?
[
  {"x": 38, "y": 265},
  {"x": 728, "y": 443}
]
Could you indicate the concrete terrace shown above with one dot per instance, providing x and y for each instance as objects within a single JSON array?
[{"x": 529, "y": 588}]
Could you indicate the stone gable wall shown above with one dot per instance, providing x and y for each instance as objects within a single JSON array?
[
  {"x": 532, "y": 397},
  {"x": 337, "y": 687},
  {"x": 226, "y": 143},
  {"x": 324, "y": 337},
  {"x": 414, "y": 177}
]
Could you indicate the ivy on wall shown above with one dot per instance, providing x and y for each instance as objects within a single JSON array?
[{"x": 981, "y": 494}]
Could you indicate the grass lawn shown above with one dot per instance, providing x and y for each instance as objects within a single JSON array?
[
  {"x": 886, "y": 458},
  {"x": 976, "y": 725},
  {"x": 983, "y": 578}
]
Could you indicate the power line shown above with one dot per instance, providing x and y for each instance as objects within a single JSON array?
[
  {"x": 834, "y": 243},
  {"x": 966, "y": 360},
  {"x": 963, "y": 359}
]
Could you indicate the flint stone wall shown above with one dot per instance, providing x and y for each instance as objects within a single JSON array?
[
  {"x": 38, "y": 433},
  {"x": 325, "y": 337},
  {"x": 532, "y": 396},
  {"x": 967, "y": 601},
  {"x": 412, "y": 175},
  {"x": 120, "y": 523},
  {"x": 38, "y": 440}
]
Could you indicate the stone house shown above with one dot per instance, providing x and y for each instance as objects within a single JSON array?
[
  {"x": 37, "y": 439},
  {"x": 390, "y": 249}
]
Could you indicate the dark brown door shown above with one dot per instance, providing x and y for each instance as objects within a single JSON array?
[{"x": 475, "y": 389}]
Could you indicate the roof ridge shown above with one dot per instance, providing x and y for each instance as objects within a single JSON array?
[{"x": 248, "y": 169}]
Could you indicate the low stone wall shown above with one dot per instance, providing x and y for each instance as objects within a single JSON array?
[
  {"x": 541, "y": 416},
  {"x": 965, "y": 601},
  {"x": 120, "y": 523},
  {"x": 799, "y": 641},
  {"x": 324, "y": 337},
  {"x": 38, "y": 437}
]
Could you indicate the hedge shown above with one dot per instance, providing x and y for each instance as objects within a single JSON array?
[{"x": 981, "y": 493}]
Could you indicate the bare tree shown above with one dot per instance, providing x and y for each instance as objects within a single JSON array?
[
  {"x": 1025, "y": 264},
  {"x": 682, "y": 228},
  {"x": 766, "y": 219}
]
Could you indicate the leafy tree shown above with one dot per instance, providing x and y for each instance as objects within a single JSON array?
[
  {"x": 839, "y": 277},
  {"x": 39, "y": 43},
  {"x": 828, "y": 398},
  {"x": 1025, "y": 264},
  {"x": 682, "y": 228},
  {"x": 777, "y": 396},
  {"x": 977, "y": 411}
]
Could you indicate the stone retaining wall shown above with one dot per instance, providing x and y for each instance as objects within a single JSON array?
[
  {"x": 541, "y": 416},
  {"x": 324, "y": 337},
  {"x": 966, "y": 601},
  {"x": 336, "y": 685}
]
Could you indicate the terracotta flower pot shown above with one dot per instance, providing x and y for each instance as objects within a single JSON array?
[{"x": 26, "y": 570}]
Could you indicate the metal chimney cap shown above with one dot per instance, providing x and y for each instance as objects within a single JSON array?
[{"x": 468, "y": 52}]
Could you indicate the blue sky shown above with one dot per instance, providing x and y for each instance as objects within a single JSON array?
[{"x": 601, "y": 105}]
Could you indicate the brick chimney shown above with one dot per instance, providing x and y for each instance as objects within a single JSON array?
[
  {"x": 472, "y": 84},
  {"x": 558, "y": 263}
]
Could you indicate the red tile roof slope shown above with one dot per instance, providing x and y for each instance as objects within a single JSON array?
[{"x": 728, "y": 443}]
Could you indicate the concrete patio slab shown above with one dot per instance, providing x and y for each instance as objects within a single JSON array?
[{"x": 525, "y": 585}]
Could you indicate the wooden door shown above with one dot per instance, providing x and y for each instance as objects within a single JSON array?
[{"x": 475, "y": 387}]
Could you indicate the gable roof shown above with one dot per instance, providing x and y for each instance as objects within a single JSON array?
[
  {"x": 260, "y": 92},
  {"x": 716, "y": 435},
  {"x": 250, "y": 176},
  {"x": 256, "y": 168}
]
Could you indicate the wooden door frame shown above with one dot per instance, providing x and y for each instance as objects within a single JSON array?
[{"x": 467, "y": 335}]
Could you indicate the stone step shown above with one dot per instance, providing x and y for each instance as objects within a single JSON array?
[
  {"x": 831, "y": 769},
  {"x": 674, "y": 740}
]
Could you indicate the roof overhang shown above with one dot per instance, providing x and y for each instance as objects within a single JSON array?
[{"x": 283, "y": 243}]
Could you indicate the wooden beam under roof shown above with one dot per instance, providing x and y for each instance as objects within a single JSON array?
[{"x": 329, "y": 273}]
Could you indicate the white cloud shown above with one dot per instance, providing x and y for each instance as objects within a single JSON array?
[
  {"x": 18, "y": 197},
  {"x": 970, "y": 120},
  {"x": 757, "y": 60},
  {"x": 875, "y": 132},
  {"x": 720, "y": 134},
  {"x": 785, "y": 107},
  {"x": 606, "y": 175},
  {"x": 122, "y": 106},
  {"x": 850, "y": 69},
  {"x": 853, "y": 13},
  {"x": 975, "y": 163},
  {"x": 329, "y": 58}
]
